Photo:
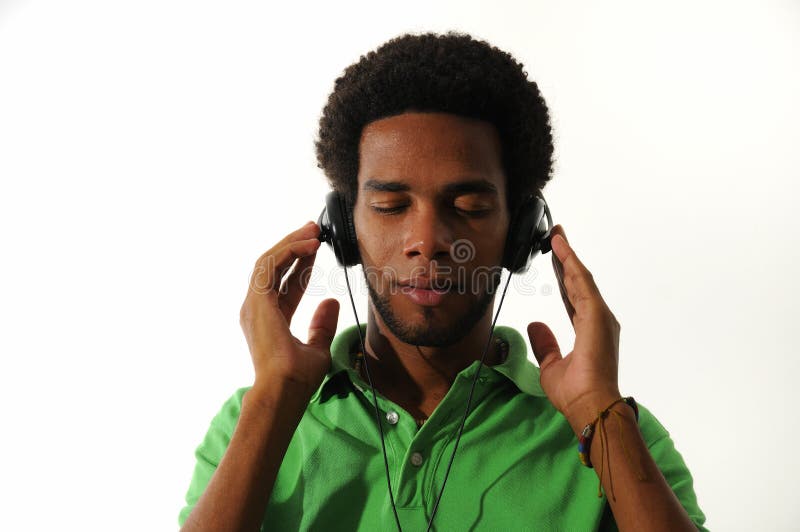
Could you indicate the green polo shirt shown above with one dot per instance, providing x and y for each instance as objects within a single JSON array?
[{"x": 516, "y": 467}]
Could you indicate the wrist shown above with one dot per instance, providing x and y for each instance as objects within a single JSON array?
[
  {"x": 623, "y": 420},
  {"x": 290, "y": 379},
  {"x": 583, "y": 412},
  {"x": 274, "y": 392}
]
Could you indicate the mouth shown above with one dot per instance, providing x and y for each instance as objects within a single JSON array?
[
  {"x": 427, "y": 292},
  {"x": 439, "y": 284}
]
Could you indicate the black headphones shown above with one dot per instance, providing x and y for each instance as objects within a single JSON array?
[{"x": 528, "y": 233}]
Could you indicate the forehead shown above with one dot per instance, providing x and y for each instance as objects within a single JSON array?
[{"x": 429, "y": 147}]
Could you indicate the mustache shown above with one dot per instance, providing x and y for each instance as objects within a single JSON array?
[{"x": 464, "y": 281}]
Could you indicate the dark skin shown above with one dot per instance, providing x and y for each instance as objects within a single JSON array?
[
  {"x": 426, "y": 154},
  {"x": 420, "y": 350}
]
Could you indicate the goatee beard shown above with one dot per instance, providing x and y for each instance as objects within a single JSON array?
[{"x": 433, "y": 334}]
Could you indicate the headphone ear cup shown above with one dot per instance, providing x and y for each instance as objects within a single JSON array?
[
  {"x": 528, "y": 233},
  {"x": 352, "y": 254},
  {"x": 337, "y": 228}
]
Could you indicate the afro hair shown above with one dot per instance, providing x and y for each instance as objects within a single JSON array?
[{"x": 453, "y": 73}]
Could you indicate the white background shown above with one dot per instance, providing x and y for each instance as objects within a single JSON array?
[{"x": 150, "y": 151}]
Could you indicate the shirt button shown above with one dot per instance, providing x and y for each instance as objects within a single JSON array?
[
  {"x": 416, "y": 459},
  {"x": 392, "y": 417}
]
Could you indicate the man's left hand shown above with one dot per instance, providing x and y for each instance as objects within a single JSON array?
[{"x": 583, "y": 382}]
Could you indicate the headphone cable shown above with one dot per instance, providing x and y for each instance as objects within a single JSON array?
[
  {"x": 469, "y": 400},
  {"x": 378, "y": 415},
  {"x": 374, "y": 402}
]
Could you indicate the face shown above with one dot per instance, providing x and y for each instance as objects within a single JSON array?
[{"x": 431, "y": 210}]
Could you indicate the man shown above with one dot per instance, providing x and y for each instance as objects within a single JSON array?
[{"x": 433, "y": 140}]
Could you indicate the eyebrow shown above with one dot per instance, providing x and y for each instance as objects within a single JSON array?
[{"x": 461, "y": 187}]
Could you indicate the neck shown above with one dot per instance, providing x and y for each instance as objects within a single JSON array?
[{"x": 418, "y": 377}]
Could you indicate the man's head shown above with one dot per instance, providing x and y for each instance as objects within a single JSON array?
[{"x": 448, "y": 134}]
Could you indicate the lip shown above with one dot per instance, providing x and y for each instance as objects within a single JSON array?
[
  {"x": 423, "y": 296},
  {"x": 421, "y": 290},
  {"x": 426, "y": 283}
]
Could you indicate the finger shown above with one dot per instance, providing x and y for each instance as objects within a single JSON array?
[
  {"x": 294, "y": 286},
  {"x": 578, "y": 281},
  {"x": 308, "y": 248},
  {"x": 323, "y": 324},
  {"x": 297, "y": 234},
  {"x": 544, "y": 344},
  {"x": 308, "y": 231},
  {"x": 271, "y": 268},
  {"x": 558, "y": 268},
  {"x": 262, "y": 321},
  {"x": 594, "y": 324}
]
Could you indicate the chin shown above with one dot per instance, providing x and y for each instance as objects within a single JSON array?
[{"x": 432, "y": 326}]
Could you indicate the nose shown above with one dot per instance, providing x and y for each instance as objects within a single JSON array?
[{"x": 427, "y": 234}]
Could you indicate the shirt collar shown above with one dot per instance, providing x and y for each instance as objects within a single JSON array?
[{"x": 516, "y": 367}]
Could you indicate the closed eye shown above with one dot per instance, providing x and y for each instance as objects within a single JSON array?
[
  {"x": 388, "y": 210},
  {"x": 474, "y": 214},
  {"x": 478, "y": 213}
]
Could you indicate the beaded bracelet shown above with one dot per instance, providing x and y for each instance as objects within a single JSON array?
[{"x": 585, "y": 439}]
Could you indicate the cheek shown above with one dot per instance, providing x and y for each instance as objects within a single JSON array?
[
  {"x": 376, "y": 255},
  {"x": 489, "y": 249},
  {"x": 498, "y": 243},
  {"x": 378, "y": 248}
]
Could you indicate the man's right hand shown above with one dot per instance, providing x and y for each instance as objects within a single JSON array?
[{"x": 267, "y": 313}]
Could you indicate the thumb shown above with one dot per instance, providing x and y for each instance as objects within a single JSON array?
[
  {"x": 323, "y": 324},
  {"x": 544, "y": 344},
  {"x": 558, "y": 229}
]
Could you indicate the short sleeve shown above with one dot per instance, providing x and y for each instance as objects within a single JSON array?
[
  {"x": 209, "y": 453},
  {"x": 672, "y": 466}
]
